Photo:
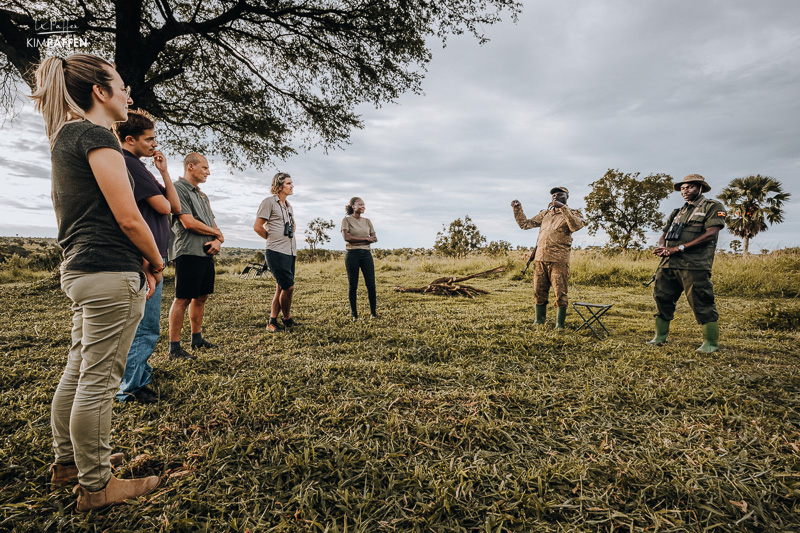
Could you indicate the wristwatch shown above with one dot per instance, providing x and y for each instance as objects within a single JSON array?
[{"x": 681, "y": 247}]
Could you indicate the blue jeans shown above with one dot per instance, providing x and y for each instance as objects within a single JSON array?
[{"x": 137, "y": 369}]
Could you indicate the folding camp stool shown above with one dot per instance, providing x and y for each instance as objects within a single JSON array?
[{"x": 594, "y": 313}]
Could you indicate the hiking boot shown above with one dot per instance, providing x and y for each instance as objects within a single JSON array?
[
  {"x": 182, "y": 354},
  {"x": 66, "y": 474},
  {"x": 274, "y": 327},
  {"x": 203, "y": 344},
  {"x": 116, "y": 491},
  {"x": 144, "y": 396},
  {"x": 290, "y": 323}
]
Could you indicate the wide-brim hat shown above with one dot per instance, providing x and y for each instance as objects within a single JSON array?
[
  {"x": 559, "y": 189},
  {"x": 694, "y": 178}
]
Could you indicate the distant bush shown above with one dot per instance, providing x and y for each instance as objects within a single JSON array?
[
  {"x": 497, "y": 248},
  {"x": 390, "y": 267},
  {"x": 320, "y": 254},
  {"x": 17, "y": 268},
  {"x": 47, "y": 259}
]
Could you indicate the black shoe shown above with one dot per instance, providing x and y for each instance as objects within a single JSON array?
[
  {"x": 145, "y": 395},
  {"x": 202, "y": 344},
  {"x": 142, "y": 395},
  {"x": 290, "y": 323},
  {"x": 181, "y": 354},
  {"x": 156, "y": 394}
]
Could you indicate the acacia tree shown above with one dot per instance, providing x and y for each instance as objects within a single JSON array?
[
  {"x": 317, "y": 233},
  {"x": 248, "y": 79},
  {"x": 753, "y": 202},
  {"x": 624, "y": 206},
  {"x": 459, "y": 239}
]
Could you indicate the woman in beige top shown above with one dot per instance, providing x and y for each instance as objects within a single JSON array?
[{"x": 358, "y": 233}]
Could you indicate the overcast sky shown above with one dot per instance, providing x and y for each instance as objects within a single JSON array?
[{"x": 575, "y": 88}]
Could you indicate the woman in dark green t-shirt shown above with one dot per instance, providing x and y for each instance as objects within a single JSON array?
[{"x": 104, "y": 239}]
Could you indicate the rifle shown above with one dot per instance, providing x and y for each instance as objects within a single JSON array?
[{"x": 530, "y": 259}]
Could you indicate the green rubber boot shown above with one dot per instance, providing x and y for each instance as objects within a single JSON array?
[
  {"x": 541, "y": 313},
  {"x": 561, "y": 315},
  {"x": 662, "y": 329},
  {"x": 710, "y": 338}
]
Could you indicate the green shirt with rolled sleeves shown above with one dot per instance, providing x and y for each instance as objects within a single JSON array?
[
  {"x": 193, "y": 202},
  {"x": 697, "y": 217}
]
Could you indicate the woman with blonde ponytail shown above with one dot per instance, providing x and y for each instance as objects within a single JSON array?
[{"x": 110, "y": 256}]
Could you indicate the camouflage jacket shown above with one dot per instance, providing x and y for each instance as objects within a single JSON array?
[{"x": 555, "y": 235}]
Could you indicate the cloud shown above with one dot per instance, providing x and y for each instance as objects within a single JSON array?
[{"x": 572, "y": 90}]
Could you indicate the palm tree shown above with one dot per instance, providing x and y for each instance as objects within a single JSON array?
[{"x": 753, "y": 202}]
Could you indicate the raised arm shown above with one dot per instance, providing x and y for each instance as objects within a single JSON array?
[
  {"x": 172, "y": 195},
  {"x": 522, "y": 220}
]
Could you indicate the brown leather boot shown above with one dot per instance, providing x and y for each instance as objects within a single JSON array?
[
  {"x": 116, "y": 491},
  {"x": 66, "y": 474}
]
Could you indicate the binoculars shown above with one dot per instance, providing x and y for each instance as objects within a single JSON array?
[{"x": 675, "y": 231}]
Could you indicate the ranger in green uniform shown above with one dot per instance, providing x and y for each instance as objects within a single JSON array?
[{"x": 687, "y": 250}]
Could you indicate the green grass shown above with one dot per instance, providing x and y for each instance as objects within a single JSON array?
[{"x": 445, "y": 414}]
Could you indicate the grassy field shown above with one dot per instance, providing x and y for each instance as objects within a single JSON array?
[{"x": 445, "y": 414}]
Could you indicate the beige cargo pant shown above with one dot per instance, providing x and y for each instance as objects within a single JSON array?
[
  {"x": 547, "y": 274},
  {"x": 107, "y": 308}
]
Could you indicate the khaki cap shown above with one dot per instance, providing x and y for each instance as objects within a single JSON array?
[
  {"x": 561, "y": 189},
  {"x": 694, "y": 178}
]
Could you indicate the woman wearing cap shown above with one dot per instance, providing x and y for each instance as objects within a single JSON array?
[
  {"x": 103, "y": 237},
  {"x": 358, "y": 233}
]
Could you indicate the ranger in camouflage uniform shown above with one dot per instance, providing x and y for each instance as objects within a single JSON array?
[
  {"x": 551, "y": 262},
  {"x": 687, "y": 250}
]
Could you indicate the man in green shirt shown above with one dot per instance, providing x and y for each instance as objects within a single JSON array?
[
  {"x": 687, "y": 249},
  {"x": 196, "y": 239}
]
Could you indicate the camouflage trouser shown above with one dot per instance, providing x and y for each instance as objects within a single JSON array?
[
  {"x": 546, "y": 274},
  {"x": 697, "y": 286}
]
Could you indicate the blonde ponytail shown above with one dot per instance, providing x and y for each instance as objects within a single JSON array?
[{"x": 64, "y": 89}]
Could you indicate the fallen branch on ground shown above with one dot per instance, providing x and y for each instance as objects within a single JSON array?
[{"x": 447, "y": 286}]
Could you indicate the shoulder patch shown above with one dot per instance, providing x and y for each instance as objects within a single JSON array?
[{"x": 722, "y": 214}]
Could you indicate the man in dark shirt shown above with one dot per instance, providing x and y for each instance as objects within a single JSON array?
[{"x": 155, "y": 202}]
